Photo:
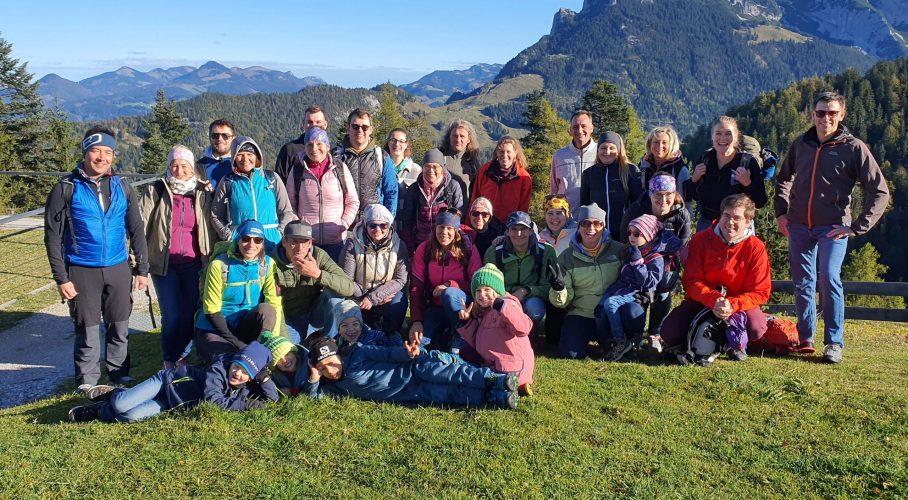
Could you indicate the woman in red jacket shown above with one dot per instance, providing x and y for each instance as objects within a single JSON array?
[
  {"x": 727, "y": 255},
  {"x": 505, "y": 180}
]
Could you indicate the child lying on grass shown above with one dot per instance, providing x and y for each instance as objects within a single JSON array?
[
  {"x": 403, "y": 375},
  {"x": 234, "y": 382}
]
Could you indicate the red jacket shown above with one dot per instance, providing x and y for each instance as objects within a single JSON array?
[
  {"x": 507, "y": 195},
  {"x": 743, "y": 269}
]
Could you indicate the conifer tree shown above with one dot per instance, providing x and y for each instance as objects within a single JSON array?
[
  {"x": 165, "y": 128},
  {"x": 612, "y": 112},
  {"x": 864, "y": 265},
  {"x": 547, "y": 133},
  {"x": 388, "y": 116}
]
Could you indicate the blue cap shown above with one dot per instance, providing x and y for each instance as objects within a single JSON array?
[
  {"x": 251, "y": 228},
  {"x": 519, "y": 217}
]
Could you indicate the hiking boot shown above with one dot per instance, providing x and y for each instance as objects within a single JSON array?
[
  {"x": 506, "y": 382},
  {"x": 502, "y": 398},
  {"x": 86, "y": 413},
  {"x": 525, "y": 390},
  {"x": 99, "y": 393},
  {"x": 737, "y": 354},
  {"x": 83, "y": 388},
  {"x": 619, "y": 349},
  {"x": 655, "y": 343},
  {"x": 832, "y": 353},
  {"x": 806, "y": 347}
]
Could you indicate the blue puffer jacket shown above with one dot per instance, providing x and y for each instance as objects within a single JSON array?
[
  {"x": 647, "y": 274},
  {"x": 370, "y": 372},
  {"x": 187, "y": 386},
  {"x": 98, "y": 237}
]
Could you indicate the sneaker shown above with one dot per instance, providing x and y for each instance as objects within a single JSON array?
[
  {"x": 505, "y": 382},
  {"x": 737, "y": 354},
  {"x": 655, "y": 343},
  {"x": 503, "y": 398},
  {"x": 123, "y": 380},
  {"x": 86, "y": 413},
  {"x": 619, "y": 349},
  {"x": 832, "y": 353},
  {"x": 83, "y": 388},
  {"x": 806, "y": 347},
  {"x": 99, "y": 393}
]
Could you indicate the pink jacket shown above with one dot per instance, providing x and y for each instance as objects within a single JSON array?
[
  {"x": 324, "y": 205},
  {"x": 502, "y": 339},
  {"x": 424, "y": 279}
]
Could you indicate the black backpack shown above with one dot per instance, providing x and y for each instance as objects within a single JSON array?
[{"x": 705, "y": 340}]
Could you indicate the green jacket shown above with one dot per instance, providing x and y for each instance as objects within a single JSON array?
[
  {"x": 522, "y": 271},
  {"x": 586, "y": 277},
  {"x": 299, "y": 293}
]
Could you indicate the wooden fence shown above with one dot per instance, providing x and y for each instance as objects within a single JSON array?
[{"x": 886, "y": 289}]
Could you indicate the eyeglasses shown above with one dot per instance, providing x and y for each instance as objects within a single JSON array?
[
  {"x": 377, "y": 225},
  {"x": 215, "y": 136},
  {"x": 254, "y": 239},
  {"x": 591, "y": 223},
  {"x": 822, "y": 113},
  {"x": 477, "y": 213},
  {"x": 734, "y": 218},
  {"x": 397, "y": 141},
  {"x": 357, "y": 126},
  {"x": 635, "y": 234}
]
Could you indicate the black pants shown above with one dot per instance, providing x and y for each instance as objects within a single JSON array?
[
  {"x": 102, "y": 293},
  {"x": 256, "y": 320}
]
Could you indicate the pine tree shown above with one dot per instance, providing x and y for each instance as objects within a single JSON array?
[
  {"x": 165, "y": 128},
  {"x": 864, "y": 265},
  {"x": 388, "y": 116},
  {"x": 547, "y": 133},
  {"x": 612, "y": 112}
]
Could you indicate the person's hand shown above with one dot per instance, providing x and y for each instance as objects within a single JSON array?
[
  {"x": 416, "y": 331},
  {"x": 556, "y": 277},
  {"x": 722, "y": 308},
  {"x": 139, "y": 282},
  {"x": 365, "y": 304},
  {"x": 465, "y": 310},
  {"x": 699, "y": 172},
  {"x": 67, "y": 290},
  {"x": 840, "y": 232},
  {"x": 499, "y": 240},
  {"x": 386, "y": 300},
  {"x": 263, "y": 376},
  {"x": 314, "y": 374},
  {"x": 782, "y": 221},
  {"x": 742, "y": 174},
  {"x": 521, "y": 293},
  {"x": 412, "y": 348},
  {"x": 440, "y": 289},
  {"x": 308, "y": 267}
]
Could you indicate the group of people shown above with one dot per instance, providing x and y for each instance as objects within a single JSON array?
[{"x": 299, "y": 279}]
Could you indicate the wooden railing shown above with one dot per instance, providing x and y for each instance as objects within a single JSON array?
[{"x": 886, "y": 289}]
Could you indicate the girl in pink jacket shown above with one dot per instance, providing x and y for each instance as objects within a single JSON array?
[
  {"x": 322, "y": 193},
  {"x": 497, "y": 328}
]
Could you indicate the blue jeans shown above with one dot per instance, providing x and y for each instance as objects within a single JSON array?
[
  {"x": 334, "y": 251},
  {"x": 139, "y": 402},
  {"x": 805, "y": 245},
  {"x": 534, "y": 307},
  {"x": 391, "y": 314},
  {"x": 178, "y": 297},
  {"x": 440, "y": 322},
  {"x": 320, "y": 316},
  {"x": 608, "y": 311}
]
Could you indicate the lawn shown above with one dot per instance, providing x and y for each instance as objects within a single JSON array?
[
  {"x": 769, "y": 427},
  {"x": 23, "y": 270}
]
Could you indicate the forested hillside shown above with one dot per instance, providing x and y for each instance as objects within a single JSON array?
[{"x": 877, "y": 107}]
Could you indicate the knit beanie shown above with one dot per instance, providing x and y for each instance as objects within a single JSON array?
[
  {"x": 611, "y": 137},
  {"x": 246, "y": 144},
  {"x": 434, "y": 155},
  {"x": 180, "y": 152},
  {"x": 317, "y": 134},
  {"x": 558, "y": 202},
  {"x": 253, "y": 358},
  {"x": 482, "y": 202},
  {"x": 321, "y": 349},
  {"x": 648, "y": 225},
  {"x": 591, "y": 211},
  {"x": 490, "y": 276},
  {"x": 377, "y": 213},
  {"x": 448, "y": 219},
  {"x": 662, "y": 184},
  {"x": 279, "y": 346},
  {"x": 346, "y": 309}
]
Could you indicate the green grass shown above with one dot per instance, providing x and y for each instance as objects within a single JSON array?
[
  {"x": 770, "y": 427},
  {"x": 23, "y": 269}
]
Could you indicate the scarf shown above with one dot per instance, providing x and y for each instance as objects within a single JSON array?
[{"x": 180, "y": 187}]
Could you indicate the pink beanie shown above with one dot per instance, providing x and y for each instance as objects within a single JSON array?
[
  {"x": 181, "y": 152},
  {"x": 648, "y": 225}
]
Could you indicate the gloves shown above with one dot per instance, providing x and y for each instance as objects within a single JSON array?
[
  {"x": 556, "y": 277},
  {"x": 498, "y": 304},
  {"x": 263, "y": 376}
]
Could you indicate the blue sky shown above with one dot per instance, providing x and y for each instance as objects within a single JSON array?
[{"x": 349, "y": 43}]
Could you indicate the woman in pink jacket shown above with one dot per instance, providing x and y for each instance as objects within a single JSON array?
[
  {"x": 497, "y": 328},
  {"x": 439, "y": 282},
  {"x": 323, "y": 194}
]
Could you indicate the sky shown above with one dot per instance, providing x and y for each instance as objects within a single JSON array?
[{"x": 349, "y": 43}]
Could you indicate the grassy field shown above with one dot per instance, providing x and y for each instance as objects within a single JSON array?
[
  {"x": 769, "y": 427},
  {"x": 23, "y": 269}
]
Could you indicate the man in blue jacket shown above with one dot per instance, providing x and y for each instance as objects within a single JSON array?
[{"x": 88, "y": 218}]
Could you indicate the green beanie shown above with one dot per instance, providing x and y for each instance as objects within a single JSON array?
[
  {"x": 488, "y": 275},
  {"x": 279, "y": 346}
]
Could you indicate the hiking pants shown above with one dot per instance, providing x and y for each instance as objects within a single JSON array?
[
  {"x": 256, "y": 320},
  {"x": 178, "y": 297}
]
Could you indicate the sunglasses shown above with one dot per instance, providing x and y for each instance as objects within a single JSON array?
[
  {"x": 377, "y": 225},
  {"x": 822, "y": 113},
  {"x": 591, "y": 223},
  {"x": 254, "y": 239},
  {"x": 215, "y": 136},
  {"x": 356, "y": 126},
  {"x": 477, "y": 213}
]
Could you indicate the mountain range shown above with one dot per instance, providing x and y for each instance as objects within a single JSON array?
[{"x": 437, "y": 87}]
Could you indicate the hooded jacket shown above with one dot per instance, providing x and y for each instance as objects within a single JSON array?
[
  {"x": 417, "y": 221},
  {"x": 743, "y": 269},
  {"x": 522, "y": 271},
  {"x": 677, "y": 220},
  {"x": 646, "y": 273},
  {"x": 501, "y": 338},
  {"x": 508, "y": 193},
  {"x": 562, "y": 241},
  {"x": 324, "y": 204},
  {"x": 815, "y": 182},
  {"x": 568, "y": 163},
  {"x": 586, "y": 277},
  {"x": 717, "y": 183},
  {"x": 601, "y": 184},
  {"x": 379, "y": 270}
]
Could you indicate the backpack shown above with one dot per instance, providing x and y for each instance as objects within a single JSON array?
[
  {"x": 221, "y": 250},
  {"x": 705, "y": 339},
  {"x": 766, "y": 158},
  {"x": 781, "y": 337}
]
